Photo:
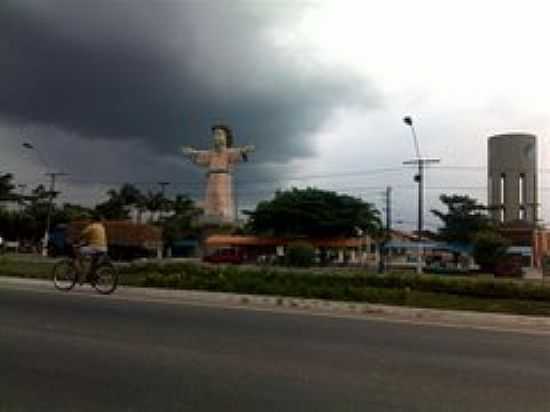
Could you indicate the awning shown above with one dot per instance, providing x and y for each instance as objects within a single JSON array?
[
  {"x": 450, "y": 247},
  {"x": 520, "y": 250}
]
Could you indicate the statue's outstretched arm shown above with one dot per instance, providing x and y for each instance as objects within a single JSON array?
[
  {"x": 199, "y": 157},
  {"x": 245, "y": 150},
  {"x": 241, "y": 153}
]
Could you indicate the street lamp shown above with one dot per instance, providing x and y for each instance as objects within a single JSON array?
[
  {"x": 30, "y": 146},
  {"x": 419, "y": 178},
  {"x": 409, "y": 122},
  {"x": 361, "y": 234},
  {"x": 53, "y": 176}
]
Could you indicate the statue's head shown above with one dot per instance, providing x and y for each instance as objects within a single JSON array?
[{"x": 223, "y": 136}]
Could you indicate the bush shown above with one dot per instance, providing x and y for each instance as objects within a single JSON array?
[
  {"x": 546, "y": 265},
  {"x": 300, "y": 254},
  {"x": 341, "y": 285},
  {"x": 489, "y": 249}
]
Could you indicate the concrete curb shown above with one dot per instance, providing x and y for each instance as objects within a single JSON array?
[
  {"x": 366, "y": 310},
  {"x": 451, "y": 318}
]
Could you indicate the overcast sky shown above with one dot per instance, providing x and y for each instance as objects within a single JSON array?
[{"x": 108, "y": 91}]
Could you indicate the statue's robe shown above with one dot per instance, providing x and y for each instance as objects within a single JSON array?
[{"x": 220, "y": 201}]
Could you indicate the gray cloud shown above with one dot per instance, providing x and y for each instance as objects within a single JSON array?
[{"x": 161, "y": 72}]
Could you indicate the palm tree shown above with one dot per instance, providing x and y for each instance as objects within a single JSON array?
[
  {"x": 118, "y": 205},
  {"x": 183, "y": 205},
  {"x": 141, "y": 206},
  {"x": 154, "y": 202},
  {"x": 181, "y": 221},
  {"x": 129, "y": 194}
]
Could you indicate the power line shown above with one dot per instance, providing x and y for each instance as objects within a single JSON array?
[
  {"x": 248, "y": 181},
  {"x": 286, "y": 178}
]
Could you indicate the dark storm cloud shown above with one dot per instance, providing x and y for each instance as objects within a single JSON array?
[{"x": 164, "y": 71}]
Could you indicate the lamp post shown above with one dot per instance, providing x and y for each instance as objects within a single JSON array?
[
  {"x": 361, "y": 234},
  {"x": 53, "y": 176},
  {"x": 30, "y": 146},
  {"x": 419, "y": 178}
]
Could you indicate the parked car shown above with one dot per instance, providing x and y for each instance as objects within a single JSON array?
[
  {"x": 225, "y": 255},
  {"x": 29, "y": 246}
]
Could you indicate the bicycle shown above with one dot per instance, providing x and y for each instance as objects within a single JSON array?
[{"x": 101, "y": 274}]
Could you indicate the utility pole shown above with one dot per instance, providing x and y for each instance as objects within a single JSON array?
[
  {"x": 22, "y": 187},
  {"x": 162, "y": 191},
  {"x": 384, "y": 257},
  {"x": 161, "y": 251},
  {"x": 388, "y": 227},
  {"x": 235, "y": 200},
  {"x": 419, "y": 178},
  {"x": 53, "y": 176},
  {"x": 163, "y": 187},
  {"x": 388, "y": 210}
]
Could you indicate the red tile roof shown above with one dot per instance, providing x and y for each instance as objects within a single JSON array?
[{"x": 238, "y": 240}]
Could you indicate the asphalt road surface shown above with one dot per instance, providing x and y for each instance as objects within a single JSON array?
[{"x": 83, "y": 352}]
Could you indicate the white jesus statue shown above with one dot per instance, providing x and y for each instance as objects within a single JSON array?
[{"x": 220, "y": 162}]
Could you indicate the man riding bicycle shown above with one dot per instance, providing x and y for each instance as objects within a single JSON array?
[
  {"x": 92, "y": 242},
  {"x": 102, "y": 273}
]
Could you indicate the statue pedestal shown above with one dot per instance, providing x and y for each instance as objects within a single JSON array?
[
  {"x": 217, "y": 221},
  {"x": 213, "y": 225}
]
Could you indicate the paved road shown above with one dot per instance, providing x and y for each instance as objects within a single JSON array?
[{"x": 81, "y": 352}]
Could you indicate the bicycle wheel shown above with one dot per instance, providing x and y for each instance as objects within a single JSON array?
[
  {"x": 64, "y": 275},
  {"x": 106, "y": 279}
]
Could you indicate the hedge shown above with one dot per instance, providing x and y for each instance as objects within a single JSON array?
[{"x": 333, "y": 285}]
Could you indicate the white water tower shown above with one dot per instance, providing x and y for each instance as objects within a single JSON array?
[{"x": 512, "y": 177}]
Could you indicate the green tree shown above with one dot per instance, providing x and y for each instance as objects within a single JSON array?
[
  {"x": 180, "y": 223},
  {"x": 314, "y": 212},
  {"x": 6, "y": 187},
  {"x": 28, "y": 223},
  {"x": 463, "y": 219},
  {"x": 119, "y": 202},
  {"x": 141, "y": 206},
  {"x": 128, "y": 194},
  {"x": 71, "y": 212},
  {"x": 154, "y": 202},
  {"x": 113, "y": 209},
  {"x": 39, "y": 203},
  {"x": 10, "y": 223},
  {"x": 301, "y": 254},
  {"x": 489, "y": 249}
]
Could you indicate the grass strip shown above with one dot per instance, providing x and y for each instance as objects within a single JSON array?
[{"x": 429, "y": 291}]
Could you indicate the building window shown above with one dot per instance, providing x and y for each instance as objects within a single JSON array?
[
  {"x": 521, "y": 186},
  {"x": 502, "y": 187},
  {"x": 521, "y": 213},
  {"x": 501, "y": 218}
]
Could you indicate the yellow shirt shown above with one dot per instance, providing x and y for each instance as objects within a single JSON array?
[{"x": 94, "y": 235}]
